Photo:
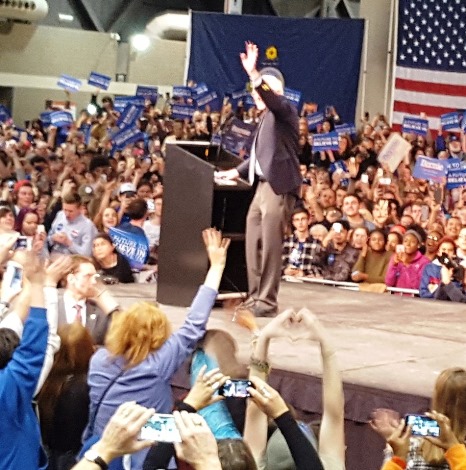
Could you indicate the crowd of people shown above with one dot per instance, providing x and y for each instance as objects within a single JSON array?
[{"x": 91, "y": 213}]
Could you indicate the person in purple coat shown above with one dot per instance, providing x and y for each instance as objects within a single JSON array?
[{"x": 141, "y": 354}]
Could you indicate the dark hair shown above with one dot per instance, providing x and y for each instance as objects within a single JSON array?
[
  {"x": 418, "y": 229},
  {"x": 145, "y": 183},
  {"x": 21, "y": 216},
  {"x": 234, "y": 454},
  {"x": 106, "y": 237},
  {"x": 4, "y": 210},
  {"x": 398, "y": 236},
  {"x": 344, "y": 223},
  {"x": 98, "y": 162},
  {"x": 9, "y": 341},
  {"x": 137, "y": 209},
  {"x": 70, "y": 362},
  {"x": 299, "y": 210},
  {"x": 72, "y": 198},
  {"x": 347, "y": 195},
  {"x": 382, "y": 232}
]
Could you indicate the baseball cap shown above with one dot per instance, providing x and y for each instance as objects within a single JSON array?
[
  {"x": 127, "y": 188},
  {"x": 273, "y": 72},
  {"x": 453, "y": 138}
]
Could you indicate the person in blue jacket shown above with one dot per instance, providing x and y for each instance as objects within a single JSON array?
[
  {"x": 431, "y": 276},
  {"x": 20, "y": 367}
]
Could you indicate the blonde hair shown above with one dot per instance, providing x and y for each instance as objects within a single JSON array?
[
  {"x": 449, "y": 399},
  {"x": 137, "y": 332}
]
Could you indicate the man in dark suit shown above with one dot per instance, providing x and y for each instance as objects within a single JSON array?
[
  {"x": 274, "y": 167},
  {"x": 84, "y": 301}
]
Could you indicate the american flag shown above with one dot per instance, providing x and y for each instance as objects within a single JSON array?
[{"x": 430, "y": 72}]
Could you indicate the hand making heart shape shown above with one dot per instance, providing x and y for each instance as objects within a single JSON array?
[{"x": 295, "y": 326}]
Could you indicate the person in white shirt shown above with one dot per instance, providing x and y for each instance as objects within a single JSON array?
[
  {"x": 71, "y": 232},
  {"x": 85, "y": 300}
]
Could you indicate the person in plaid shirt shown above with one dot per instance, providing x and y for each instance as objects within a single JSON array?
[{"x": 302, "y": 255}]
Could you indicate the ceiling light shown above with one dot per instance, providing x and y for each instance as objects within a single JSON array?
[{"x": 140, "y": 42}]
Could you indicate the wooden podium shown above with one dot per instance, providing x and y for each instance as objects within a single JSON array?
[{"x": 191, "y": 203}]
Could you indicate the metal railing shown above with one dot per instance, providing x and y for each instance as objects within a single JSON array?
[{"x": 347, "y": 285}]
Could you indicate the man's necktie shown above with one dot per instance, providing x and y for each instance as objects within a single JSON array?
[{"x": 78, "y": 318}]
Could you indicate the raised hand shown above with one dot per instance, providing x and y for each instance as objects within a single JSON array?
[
  {"x": 198, "y": 446},
  {"x": 249, "y": 58},
  {"x": 283, "y": 324},
  {"x": 216, "y": 246},
  {"x": 203, "y": 389},
  {"x": 399, "y": 440},
  {"x": 384, "y": 422},
  {"x": 267, "y": 398},
  {"x": 447, "y": 437}
]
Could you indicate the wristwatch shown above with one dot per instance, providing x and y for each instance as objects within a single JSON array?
[{"x": 92, "y": 456}]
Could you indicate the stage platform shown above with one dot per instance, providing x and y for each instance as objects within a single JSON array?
[{"x": 390, "y": 351}]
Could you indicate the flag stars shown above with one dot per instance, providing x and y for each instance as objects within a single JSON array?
[
  {"x": 439, "y": 61},
  {"x": 414, "y": 59},
  {"x": 452, "y": 62}
]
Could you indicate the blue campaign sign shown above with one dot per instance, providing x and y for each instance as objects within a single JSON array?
[
  {"x": 238, "y": 96},
  {"x": 293, "y": 96},
  {"x": 61, "y": 119},
  {"x": 415, "y": 126},
  {"x": 127, "y": 136},
  {"x": 314, "y": 119},
  {"x": 238, "y": 136},
  {"x": 463, "y": 122},
  {"x": 456, "y": 176},
  {"x": 133, "y": 246},
  {"x": 340, "y": 167},
  {"x": 182, "y": 91},
  {"x": 328, "y": 141},
  {"x": 200, "y": 89},
  {"x": 120, "y": 102},
  {"x": 129, "y": 116},
  {"x": 210, "y": 99},
  {"x": 69, "y": 83},
  {"x": 430, "y": 169},
  {"x": 99, "y": 81},
  {"x": 349, "y": 129},
  {"x": 149, "y": 92},
  {"x": 45, "y": 118},
  {"x": 450, "y": 121},
  {"x": 182, "y": 111},
  {"x": 5, "y": 114}
]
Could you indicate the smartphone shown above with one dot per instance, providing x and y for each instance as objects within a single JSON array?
[
  {"x": 385, "y": 181},
  {"x": 235, "y": 388},
  {"x": 337, "y": 227},
  {"x": 13, "y": 276},
  {"x": 422, "y": 425},
  {"x": 160, "y": 428},
  {"x": 424, "y": 213},
  {"x": 364, "y": 178},
  {"x": 40, "y": 229},
  {"x": 400, "y": 249},
  {"x": 150, "y": 205},
  {"x": 23, "y": 243}
]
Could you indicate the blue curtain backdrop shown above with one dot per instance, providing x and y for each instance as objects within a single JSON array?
[{"x": 319, "y": 57}]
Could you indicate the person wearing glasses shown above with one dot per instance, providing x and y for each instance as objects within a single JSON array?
[{"x": 85, "y": 300}]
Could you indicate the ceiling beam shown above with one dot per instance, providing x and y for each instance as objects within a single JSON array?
[
  {"x": 118, "y": 13},
  {"x": 88, "y": 15}
]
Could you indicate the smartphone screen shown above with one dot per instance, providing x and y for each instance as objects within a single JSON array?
[
  {"x": 422, "y": 425},
  {"x": 23, "y": 243},
  {"x": 13, "y": 276},
  {"x": 235, "y": 388},
  {"x": 160, "y": 428},
  {"x": 400, "y": 248}
]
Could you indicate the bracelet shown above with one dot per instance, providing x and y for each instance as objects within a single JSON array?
[{"x": 262, "y": 366}]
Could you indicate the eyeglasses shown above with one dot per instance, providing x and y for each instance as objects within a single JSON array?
[{"x": 432, "y": 237}]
